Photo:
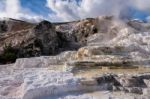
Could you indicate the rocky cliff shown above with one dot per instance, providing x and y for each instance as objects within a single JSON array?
[{"x": 45, "y": 38}]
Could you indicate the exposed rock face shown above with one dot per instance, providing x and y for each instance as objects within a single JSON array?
[
  {"x": 84, "y": 29},
  {"x": 36, "y": 40},
  {"x": 3, "y": 27},
  {"x": 79, "y": 30},
  {"x": 12, "y": 25},
  {"x": 104, "y": 37},
  {"x": 42, "y": 40}
]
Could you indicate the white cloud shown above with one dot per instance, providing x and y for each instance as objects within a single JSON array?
[
  {"x": 141, "y": 4},
  {"x": 148, "y": 19},
  {"x": 13, "y": 9},
  {"x": 63, "y": 10},
  {"x": 67, "y": 10}
]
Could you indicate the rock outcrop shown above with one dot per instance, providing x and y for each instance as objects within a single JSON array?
[
  {"x": 40, "y": 40},
  {"x": 13, "y": 25},
  {"x": 102, "y": 35},
  {"x": 37, "y": 40}
]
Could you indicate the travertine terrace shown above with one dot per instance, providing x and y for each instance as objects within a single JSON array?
[{"x": 86, "y": 59}]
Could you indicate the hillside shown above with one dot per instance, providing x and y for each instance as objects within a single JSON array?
[{"x": 85, "y": 59}]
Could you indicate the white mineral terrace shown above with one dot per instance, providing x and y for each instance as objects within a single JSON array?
[
  {"x": 45, "y": 83},
  {"x": 50, "y": 78}
]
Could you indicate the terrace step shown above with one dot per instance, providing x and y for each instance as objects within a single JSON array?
[
  {"x": 87, "y": 64},
  {"x": 109, "y": 50}
]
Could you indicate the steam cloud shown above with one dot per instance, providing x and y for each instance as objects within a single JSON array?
[{"x": 70, "y": 9}]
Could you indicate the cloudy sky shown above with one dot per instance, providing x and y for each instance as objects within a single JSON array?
[{"x": 67, "y": 10}]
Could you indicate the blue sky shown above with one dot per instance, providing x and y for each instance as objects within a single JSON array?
[
  {"x": 68, "y": 10},
  {"x": 37, "y": 6}
]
